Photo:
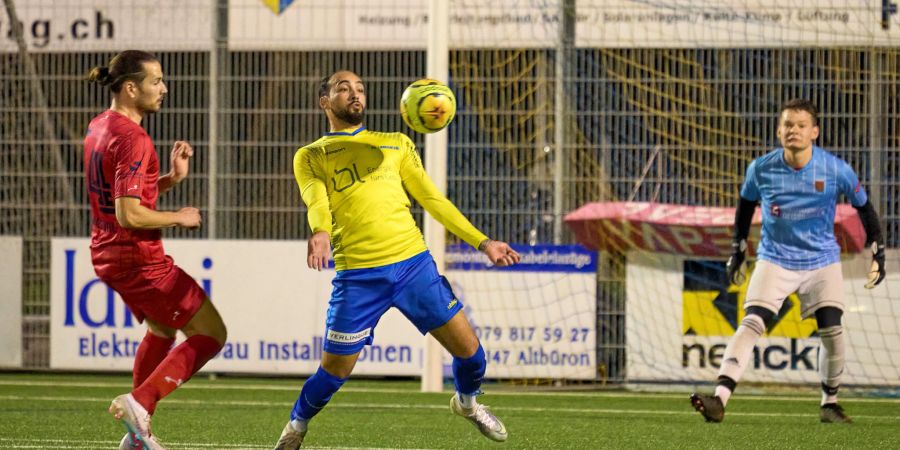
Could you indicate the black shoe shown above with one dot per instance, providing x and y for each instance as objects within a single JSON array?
[
  {"x": 710, "y": 406},
  {"x": 833, "y": 413}
]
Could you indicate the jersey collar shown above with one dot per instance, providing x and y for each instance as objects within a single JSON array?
[
  {"x": 346, "y": 131},
  {"x": 815, "y": 151}
]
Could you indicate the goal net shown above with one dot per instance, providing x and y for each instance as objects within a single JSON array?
[{"x": 665, "y": 105}]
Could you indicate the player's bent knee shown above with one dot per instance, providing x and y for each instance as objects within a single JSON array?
[
  {"x": 161, "y": 330},
  {"x": 340, "y": 366},
  {"x": 469, "y": 348},
  {"x": 755, "y": 323},
  {"x": 208, "y": 323},
  {"x": 457, "y": 337},
  {"x": 217, "y": 331},
  {"x": 764, "y": 314},
  {"x": 221, "y": 334}
]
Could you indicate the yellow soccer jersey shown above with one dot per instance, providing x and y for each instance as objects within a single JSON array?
[{"x": 354, "y": 183}]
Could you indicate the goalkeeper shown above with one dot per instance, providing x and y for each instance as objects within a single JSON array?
[
  {"x": 798, "y": 186},
  {"x": 355, "y": 183}
]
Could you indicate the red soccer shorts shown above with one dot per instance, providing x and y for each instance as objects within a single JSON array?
[{"x": 163, "y": 293}]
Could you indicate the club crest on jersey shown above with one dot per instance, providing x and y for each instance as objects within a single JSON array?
[
  {"x": 775, "y": 210},
  {"x": 820, "y": 185}
]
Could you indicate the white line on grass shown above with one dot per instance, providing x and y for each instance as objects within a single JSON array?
[
  {"x": 199, "y": 384},
  {"x": 342, "y": 405},
  {"x": 64, "y": 443}
]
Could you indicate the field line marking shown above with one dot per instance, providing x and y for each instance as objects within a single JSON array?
[{"x": 343, "y": 405}]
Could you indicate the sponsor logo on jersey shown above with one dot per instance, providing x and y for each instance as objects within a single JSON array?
[
  {"x": 820, "y": 185},
  {"x": 802, "y": 213},
  {"x": 775, "y": 210}
]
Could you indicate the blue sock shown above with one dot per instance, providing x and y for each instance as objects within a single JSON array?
[
  {"x": 468, "y": 373},
  {"x": 316, "y": 393}
]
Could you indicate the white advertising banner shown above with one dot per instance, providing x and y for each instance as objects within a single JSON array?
[
  {"x": 110, "y": 25},
  {"x": 736, "y": 23},
  {"x": 11, "y": 303},
  {"x": 402, "y": 24},
  {"x": 273, "y": 305},
  {"x": 535, "y": 321},
  {"x": 384, "y": 24},
  {"x": 174, "y": 25},
  {"x": 681, "y": 314}
]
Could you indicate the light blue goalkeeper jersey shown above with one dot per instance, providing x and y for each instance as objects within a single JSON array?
[{"x": 798, "y": 207}]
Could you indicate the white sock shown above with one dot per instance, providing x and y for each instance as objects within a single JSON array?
[
  {"x": 828, "y": 398},
  {"x": 299, "y": 425},
  {"x": 831, "y": 360},
  {"x": 738, "y": 352},
  {"x": 723, "y": 393},
  {"x": 466, "y": 401}
]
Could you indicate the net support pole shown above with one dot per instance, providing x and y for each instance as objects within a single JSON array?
[
  {"x": 217, "y": 58},
  {"x": 436, "y": 165},
  {"x": 564, "y": 56}
]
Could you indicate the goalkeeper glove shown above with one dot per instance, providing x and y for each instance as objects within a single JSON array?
[
  {"x": 736, "y": 261},
  {"x": 876, "y": 273}
]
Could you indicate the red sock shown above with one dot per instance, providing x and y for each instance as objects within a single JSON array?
[
  {"x": 150, "y": 353},
  {"x": 177, "y": 368}
]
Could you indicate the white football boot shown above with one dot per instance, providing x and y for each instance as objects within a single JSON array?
[
  {"x": 136, "y": 420},
  {"x": 488, "y": 424},
  {"x": 292, "y": 436}
]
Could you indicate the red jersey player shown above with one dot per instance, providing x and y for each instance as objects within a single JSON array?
[{"x": 122, "y": 172}]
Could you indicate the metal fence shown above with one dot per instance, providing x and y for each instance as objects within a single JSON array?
[{"x": 702, "y": 114}]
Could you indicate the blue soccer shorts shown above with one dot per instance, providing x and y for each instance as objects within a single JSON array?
[{"x": 361, "y": 296}]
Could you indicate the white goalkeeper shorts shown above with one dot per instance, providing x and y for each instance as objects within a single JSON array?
[{"x": 770, "y": 284}]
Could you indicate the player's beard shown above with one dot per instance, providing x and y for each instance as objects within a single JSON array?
[
  {"x": 148, "y": 105},
  {"x": 350, "y": 117},
  {"x": 151, "y": 108}
]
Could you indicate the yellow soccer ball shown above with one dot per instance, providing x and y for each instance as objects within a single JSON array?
[{"x": 428, "y": 106}]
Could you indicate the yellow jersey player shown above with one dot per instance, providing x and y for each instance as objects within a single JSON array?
[{"x": 355, "y": 184}]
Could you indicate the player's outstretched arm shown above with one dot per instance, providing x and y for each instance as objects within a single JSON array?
[
  {"x": 132, "y": 215},
  {"x": 499, "y": 252},
  {"x": 317, "y": 250},
  {"x": 180, "y": 158}
]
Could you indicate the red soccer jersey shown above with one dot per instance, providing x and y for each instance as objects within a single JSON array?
[{"x": 120, "y": 161}]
